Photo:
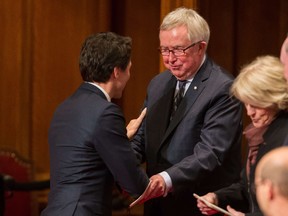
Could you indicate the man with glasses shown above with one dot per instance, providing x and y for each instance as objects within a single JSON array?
[{"x": 191, "y": 137}]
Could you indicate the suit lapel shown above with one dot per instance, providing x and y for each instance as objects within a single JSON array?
[
  {"x": 196, "y": 87},
  {"x": 159, "y": 112}
]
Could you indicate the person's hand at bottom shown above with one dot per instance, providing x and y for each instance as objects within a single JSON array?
[
  {"x": 206, "y": 210},
  {"x": 234, "y": 212}
]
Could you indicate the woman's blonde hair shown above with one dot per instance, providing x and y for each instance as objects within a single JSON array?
[{"x": 262, "y": 83}]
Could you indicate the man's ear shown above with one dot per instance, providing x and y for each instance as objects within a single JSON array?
[
  {"x": 116, "y": 72},
  {"x": 271, "y": 189},
  {"x": 202, "y": 47}
]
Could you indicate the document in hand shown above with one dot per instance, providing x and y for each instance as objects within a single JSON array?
[
  {"x": 212, "y": 206},
  {"x": 140, "y": 199}
]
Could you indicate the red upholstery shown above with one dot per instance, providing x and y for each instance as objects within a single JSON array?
[{"x": 17, "y": 203}]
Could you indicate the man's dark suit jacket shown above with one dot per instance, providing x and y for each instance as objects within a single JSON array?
[
  {"x": 200, "y": 148},
  {"x": 89, "y": 149}
]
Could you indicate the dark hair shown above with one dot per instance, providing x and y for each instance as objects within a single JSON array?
[{"x": 101, "y": 53}]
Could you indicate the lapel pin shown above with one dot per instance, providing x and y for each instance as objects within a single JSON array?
[{"x": 195, "y": 87}]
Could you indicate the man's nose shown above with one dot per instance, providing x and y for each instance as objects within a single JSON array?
[{"x": 172, "y": 56}]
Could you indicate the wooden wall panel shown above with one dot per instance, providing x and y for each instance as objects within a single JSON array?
[
  {"x": 259, "y": 29},
  {"x": 242, "y": 30},
  {"x": 169, "y": 5},
  {"x": 59, "y": 30},
  {"x": 15, "y": 73},
  {"x": 140, "y": 21},
  {"x": 221, "y": 19}
]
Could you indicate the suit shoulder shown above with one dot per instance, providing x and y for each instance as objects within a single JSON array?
[
  {"x": 210, "y": 65},
  {"x": 222, "y": 73},
  {"x": 160, "y": 79},
  {"x": 165, "y": 75}
]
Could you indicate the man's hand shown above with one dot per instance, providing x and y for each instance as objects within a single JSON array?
[
  {"x": 156, "y": 188},
  {"x": 134, "y": 124}
]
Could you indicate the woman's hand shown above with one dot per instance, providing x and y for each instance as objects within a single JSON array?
[
  {"x": 234, "y": 212},
  {"x": 211, "y": 198}
]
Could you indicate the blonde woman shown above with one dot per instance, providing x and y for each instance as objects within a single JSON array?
[{"x": 262, "y": 88}]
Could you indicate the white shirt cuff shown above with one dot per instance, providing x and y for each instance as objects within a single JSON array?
[{"x": 168, "y": 182}]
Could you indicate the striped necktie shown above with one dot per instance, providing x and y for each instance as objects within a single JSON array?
[{"x": 178, "y": 97}]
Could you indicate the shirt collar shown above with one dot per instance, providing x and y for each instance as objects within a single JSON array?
[{"x": 101, "y": 89}]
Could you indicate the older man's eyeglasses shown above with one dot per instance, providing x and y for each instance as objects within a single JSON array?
[{"x": 164, "y": 51}]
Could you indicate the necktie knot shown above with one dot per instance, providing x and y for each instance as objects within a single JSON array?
[
  {"x": 182, "y": 83},
  {"x": 181, "y": 90}
]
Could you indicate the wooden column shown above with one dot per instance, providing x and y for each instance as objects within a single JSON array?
[{"x": 15, "y": 76}]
